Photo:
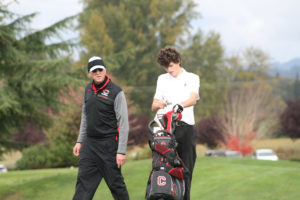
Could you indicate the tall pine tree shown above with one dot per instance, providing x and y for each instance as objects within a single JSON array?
[{"x": 33, "y": 72}]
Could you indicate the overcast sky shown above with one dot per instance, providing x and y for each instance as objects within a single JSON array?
[{"x": 271, "y": 25}]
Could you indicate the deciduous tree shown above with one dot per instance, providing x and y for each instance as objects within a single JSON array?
[
  {"x": 248, "y": 116},
  {"x": 110, "y": 27},
  {"x": 203, "y": 55}
]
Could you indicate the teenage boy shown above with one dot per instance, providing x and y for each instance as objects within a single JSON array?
[{"x": 179, "y": 87}]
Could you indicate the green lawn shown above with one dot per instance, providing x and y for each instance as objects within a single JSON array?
[{"x": 214, "y": 178}]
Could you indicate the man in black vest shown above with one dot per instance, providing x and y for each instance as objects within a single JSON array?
[{"x": 102, "y": 141}]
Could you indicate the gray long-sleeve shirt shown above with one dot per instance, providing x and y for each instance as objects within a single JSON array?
[{"x": 120, "y": 107}]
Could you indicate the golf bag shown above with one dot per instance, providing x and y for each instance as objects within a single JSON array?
[{"x": 166, "y": 180}]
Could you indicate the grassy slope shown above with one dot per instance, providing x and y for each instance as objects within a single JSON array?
[{"x": 214, "y": 178}]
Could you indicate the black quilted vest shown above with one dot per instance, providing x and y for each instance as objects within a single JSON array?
[{"x": 99, "y": 108}]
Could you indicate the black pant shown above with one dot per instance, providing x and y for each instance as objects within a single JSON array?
[
  {"x": 98, "y": 160},
  {"x": 186, "y": 138}
]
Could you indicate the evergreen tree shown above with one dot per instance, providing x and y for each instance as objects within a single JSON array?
[
  {"x": 296, "y": 87},
  {"x": 33, "y": 72}
]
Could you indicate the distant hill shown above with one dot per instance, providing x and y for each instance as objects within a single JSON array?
[{"x": 287, "y": 69}]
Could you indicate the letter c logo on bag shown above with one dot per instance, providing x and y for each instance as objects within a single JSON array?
[{"x": 161, "y": 180}]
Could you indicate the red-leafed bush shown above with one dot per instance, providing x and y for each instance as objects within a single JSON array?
[
  {"x": 240, "y": 143},
  {"x": 290, "y": 119},
  {"x": 210, "y": 131}
]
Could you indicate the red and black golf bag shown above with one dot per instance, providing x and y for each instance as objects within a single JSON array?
[{"x": 166, "y": 180}]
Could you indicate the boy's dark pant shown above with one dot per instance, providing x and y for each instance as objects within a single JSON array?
[
  {"x": 186, "y": 138},
  {"x": 98, "y": 160}
]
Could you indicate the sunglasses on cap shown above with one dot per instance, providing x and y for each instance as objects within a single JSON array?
[{"x": 98, "y": 69}]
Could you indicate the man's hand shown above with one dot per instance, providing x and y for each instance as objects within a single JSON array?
[
  {"x": 161, "y": 104},
  {"x": 158, "y": 104},
  {"x": 76, "y": 149},
  {"x": 121, "y": 159}
]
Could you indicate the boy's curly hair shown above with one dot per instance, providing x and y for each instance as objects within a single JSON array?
[{"x": 167, "y": 55}]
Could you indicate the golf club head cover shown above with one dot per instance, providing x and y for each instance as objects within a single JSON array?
[{"x": 178, "y": 108}]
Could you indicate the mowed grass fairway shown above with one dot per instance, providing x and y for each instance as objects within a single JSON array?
[{"x": 214, "y": 179}]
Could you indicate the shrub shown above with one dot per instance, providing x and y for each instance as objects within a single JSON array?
[
  {"x": 33, "y": 158},
  {"x": 288, "y": 153},
  {"x": 139, "y": 133},
  {"x": 209, "y": 131},
  {"x": 290, "y": 119},
  {"x": 37, "y": 157}
]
